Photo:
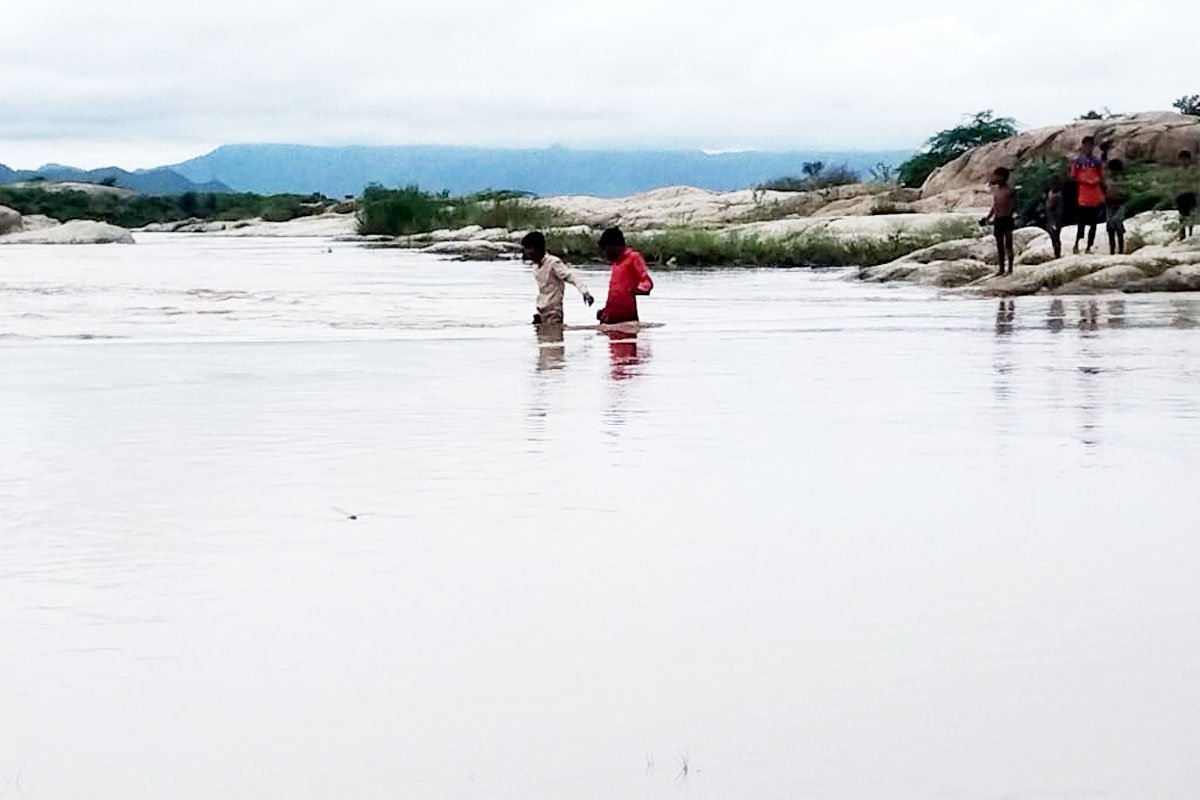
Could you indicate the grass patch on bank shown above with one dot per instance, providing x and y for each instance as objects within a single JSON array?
[
  {"x": 691, "y": 248},
  {"x": 410, "y": 211},
  {"x": 138, "y": 210}
]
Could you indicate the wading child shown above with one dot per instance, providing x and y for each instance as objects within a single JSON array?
[
  {"x": 629, "y": 279},
  {"x": 552, "y": 276},
  {"x": 1088, "y": 173},
  {"x": 1054, "y": 216},
  {"x": 1003, "y": 217}
]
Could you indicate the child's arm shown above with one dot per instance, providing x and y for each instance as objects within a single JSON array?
[
  {"x": 568, "y": 275},
  {"x": 645, "y": 283}
]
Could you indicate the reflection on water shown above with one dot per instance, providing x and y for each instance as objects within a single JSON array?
[
  {"x": 1006, "y": 315},
  {"x": 624, "y": 354},
  {"x": 552, "y": 352},
  {"x": 1184, "y": 312},
  {"x": 842, "y": 521}
]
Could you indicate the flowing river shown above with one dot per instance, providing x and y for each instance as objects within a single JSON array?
[{"x": 808, "y": 539}]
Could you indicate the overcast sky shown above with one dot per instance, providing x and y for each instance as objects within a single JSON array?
[{"x": 143, "y": 83}]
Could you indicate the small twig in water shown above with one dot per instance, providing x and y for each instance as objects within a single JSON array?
[
  {"x": 649, "y": 764},
  {"x": 685, "y": 768},
  {"x": 346, "y": 514}
]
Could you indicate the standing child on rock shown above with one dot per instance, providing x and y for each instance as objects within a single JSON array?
[
  {"x": 1054, "y": 215},
  {"x": 629, "y": 279},
  {"x": 1114, "y": 206},
  {"x": 1185, "y": 201},
  {"x": 1088, "y": 173},
  {"x": 1003, "y": 217}
]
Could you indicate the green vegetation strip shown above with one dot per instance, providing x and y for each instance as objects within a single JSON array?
[
  {"x": 137, "y": 210},
  {"x": 689, "y": 248}
]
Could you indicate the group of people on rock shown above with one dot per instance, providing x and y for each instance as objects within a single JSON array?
[
  {"x": 1100, "y": 196},
  {"x": 629, "y": 280}
]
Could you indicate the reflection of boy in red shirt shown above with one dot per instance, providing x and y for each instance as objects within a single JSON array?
[
  {"x": 1088, "y": 173},
  {"x": 629, "y": 279}
]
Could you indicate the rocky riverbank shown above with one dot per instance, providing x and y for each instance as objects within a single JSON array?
[
  {"x": 38, "y": 229},
  {"x": 1156, "y": 261}
]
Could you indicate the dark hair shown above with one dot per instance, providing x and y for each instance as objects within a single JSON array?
[
  {"x": 612, "y": 238},
  {"x": 1186, "y": 155},
  {"x": 1089, "y": 140},
  {"x": 534, "y": 241},
  {"x": 1116, "y": 165},
  {"x": 1003, "y": 172}
]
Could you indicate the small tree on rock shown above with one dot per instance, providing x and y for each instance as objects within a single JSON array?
[
  {"x": 945, "y": 146},
  {"x": 1189, "y": 104}
]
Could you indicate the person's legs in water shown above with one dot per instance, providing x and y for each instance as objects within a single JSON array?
[
  {"x": 1012, "y": 252},
  {"x": 1056, "y": 240}
]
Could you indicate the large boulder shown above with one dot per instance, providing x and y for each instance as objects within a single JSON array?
[
  {"x": 80, "y": 231},
  {"x": 9, "y": 220},
  {"x": 1156, "y": 136}
]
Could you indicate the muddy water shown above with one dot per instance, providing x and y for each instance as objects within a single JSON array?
[{"x": 809, "y": 539}]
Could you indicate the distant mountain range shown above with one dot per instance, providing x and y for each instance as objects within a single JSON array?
[
  {"x": 161, "y": 180},
  {"x": 337, "y": 171}
]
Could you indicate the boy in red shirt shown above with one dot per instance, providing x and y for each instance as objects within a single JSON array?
[
  {"x": 629, "y": 279},
  {"x": 1088, "y": 173}
]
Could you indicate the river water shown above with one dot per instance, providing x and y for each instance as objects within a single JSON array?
[{"x": 809, "y": 539}]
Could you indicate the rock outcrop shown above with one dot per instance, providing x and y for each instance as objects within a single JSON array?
[
  {"x": 685, "y": 205},
  {"x": 9, "y": 220},
  {"x": 1157, "y": 262},
  {"x": 316, "y": 226},
  {"x": 1158, "y": 136},
  {"x": 38, "y": 222},
  {"x": 80, "y": 231}
]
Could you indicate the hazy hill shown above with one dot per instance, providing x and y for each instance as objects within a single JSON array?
[
  {"x": 161, "y": 180},
  {"x": 335, "y": 171}
]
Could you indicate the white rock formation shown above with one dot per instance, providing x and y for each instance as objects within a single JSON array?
[
  {"x": 1157, "y": 262},
  {"x": 1157, "y": 136},
  {"x": 80, "y": 231},
  {"x": 38, "y": 222},
  {"x": 317, "y": 226},
  {"x": 10, "y": 220}
]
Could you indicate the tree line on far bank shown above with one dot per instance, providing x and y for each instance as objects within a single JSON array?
[{"x": 135, "y": 211}]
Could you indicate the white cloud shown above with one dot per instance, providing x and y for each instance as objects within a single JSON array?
[{"x": 140, "y": 83}]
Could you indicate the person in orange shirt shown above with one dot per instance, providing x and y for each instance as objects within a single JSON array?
[
  {"x": 629, "y": 279},
  {"x": 1088, "y": 173}
]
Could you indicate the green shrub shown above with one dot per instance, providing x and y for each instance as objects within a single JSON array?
[
  {"x": 138, "y": 210},
  {"x": 815, "y": 176},
  {"x": 1188, "y": 104},
  {"x": 945, "y": 146},
  {"x": 685, "y": 247},
  {"x": 410, "y": 211}
]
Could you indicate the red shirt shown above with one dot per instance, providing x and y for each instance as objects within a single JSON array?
[
  {"x": 629, "y": 279},
  {"x": 1088, "y": 173}
]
